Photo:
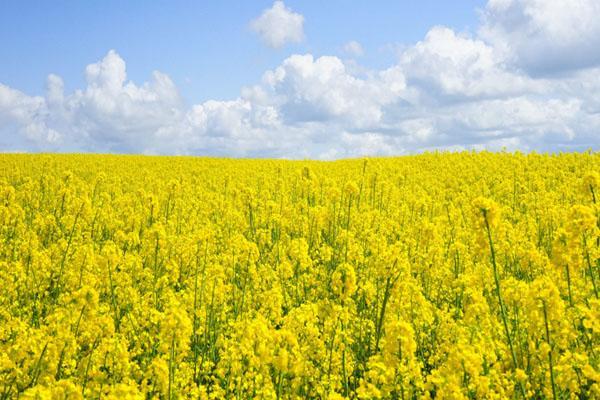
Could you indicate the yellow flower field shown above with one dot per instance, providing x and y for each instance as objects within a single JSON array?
[{"x": 443, "y": 275}]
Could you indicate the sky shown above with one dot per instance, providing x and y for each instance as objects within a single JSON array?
[{"x": 299, "y": 79}]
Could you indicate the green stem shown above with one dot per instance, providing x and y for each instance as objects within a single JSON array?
[
  {"x": 500, "y": 302},
  {"x": 569, "y": 285},
  {"x": 589, "y": 263},
  {"x": 550, "y": 351},
  {"x": 171, "y": 365}
]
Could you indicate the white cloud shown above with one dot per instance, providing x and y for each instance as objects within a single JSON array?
[
  {"x": 110, "y": 114},
  {"x": 353, "y": 49},
  {"x": 448, "y": 91},
  {"x": 117, "y": 112},
  {"x": 544, "y": 36},
  {"x": 279, "y": 25},
  {"x": 23, "y": 120},
  {"x": 306, "y": 89},
  {"x": 448, "y": 64}
]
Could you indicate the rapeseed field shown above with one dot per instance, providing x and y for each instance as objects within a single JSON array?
[{"x": 442, "y": 275}]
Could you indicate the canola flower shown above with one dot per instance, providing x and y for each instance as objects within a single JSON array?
[{"x": 443, "y": 275}]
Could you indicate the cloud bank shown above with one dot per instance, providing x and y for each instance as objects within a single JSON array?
[{"x": 529, "y": 79}]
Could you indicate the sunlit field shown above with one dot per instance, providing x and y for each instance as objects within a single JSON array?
[{"x": 442, "y": 275}]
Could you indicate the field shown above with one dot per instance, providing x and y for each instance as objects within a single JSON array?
[{"x": 442, "y": 275}]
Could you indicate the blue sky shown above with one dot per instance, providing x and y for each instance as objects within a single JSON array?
[
  {"x": 206, "y": 47},
  {"x": 298, "y": 79}
]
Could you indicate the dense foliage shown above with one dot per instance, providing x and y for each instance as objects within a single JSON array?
[{"x": 468, "y": 275}]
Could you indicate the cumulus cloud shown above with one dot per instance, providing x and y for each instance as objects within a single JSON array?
[
  {"x": 110, "y": 114},
  {"x": 451, "y": 90},
  {"x": 279, "y": 25},
  {"x": 447, "y": 64},
  {"x": 305, "y": 89},
  {"x": 544, "y": 36},
  {"x": 23, "y": 120}
]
